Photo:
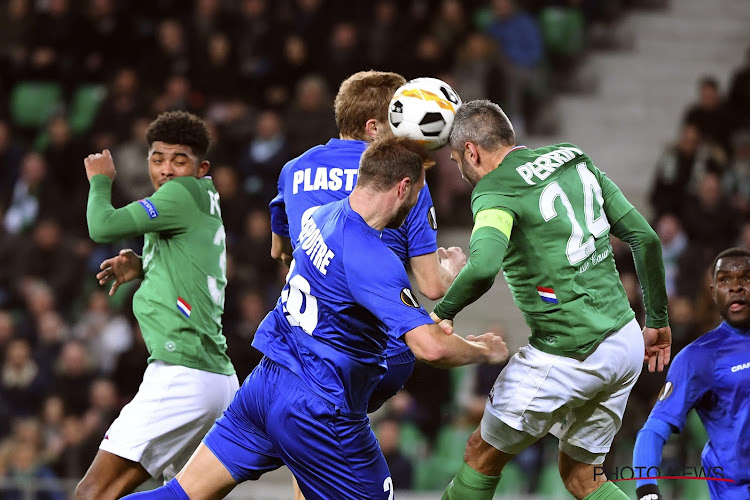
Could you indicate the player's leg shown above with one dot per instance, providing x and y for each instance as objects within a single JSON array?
[
  {"x": 591, "y": 425},
  {"x": 400, "y": 368},
  {"x": 109, "y": 476}
]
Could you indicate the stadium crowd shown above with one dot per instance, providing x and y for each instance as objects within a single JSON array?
[{"x": 80, "y": 76}]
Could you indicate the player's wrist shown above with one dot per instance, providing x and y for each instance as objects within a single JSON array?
[{"x": 648, "y": 492}]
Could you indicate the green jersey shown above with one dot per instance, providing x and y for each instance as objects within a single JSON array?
[
  {"x": 181, "y": 299},
  {"x": 545, "y": 215}
]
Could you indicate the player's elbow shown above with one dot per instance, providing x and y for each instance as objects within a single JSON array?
[
  {"x": 433, "y": 353},
  {"x": 100, "y": 235},
  {"x": 433, "y": 290}
]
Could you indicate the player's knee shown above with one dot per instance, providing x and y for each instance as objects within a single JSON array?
[{"x": 473, "y": 447}]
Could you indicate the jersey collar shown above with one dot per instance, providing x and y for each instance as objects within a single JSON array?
[
  {"x": 738, "y": 331},
  {"x": 514, "y": 148},
  {"x": 346, "y": 143}
]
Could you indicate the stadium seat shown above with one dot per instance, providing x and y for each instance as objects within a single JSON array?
[
  {"x": 412, "y": 443},
  {"x": 451, "y": 441},
  {"x": 33, "y": 103},
  {"x": 84, "y": 105},
  {"x": 562, "y": 31}
]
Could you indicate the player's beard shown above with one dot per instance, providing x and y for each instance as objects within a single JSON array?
[
  {"x": 468, "y": 172},
  {"x": 400, "y": 217}
]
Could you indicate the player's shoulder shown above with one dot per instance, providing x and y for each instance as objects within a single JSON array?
[
  {"x": 184, "y": 187},
  {"x": 701, "y": 349}
]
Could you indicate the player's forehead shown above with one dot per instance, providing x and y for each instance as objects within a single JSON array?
[
  {"x": 160, "y": 148},
  {"x": 733, "y": 264}
]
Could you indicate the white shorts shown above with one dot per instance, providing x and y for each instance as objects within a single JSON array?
[
  {"x": 579, "y": 402},
  {"x": 164, "y": 423}
]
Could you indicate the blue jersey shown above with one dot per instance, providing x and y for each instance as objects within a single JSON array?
[
  {"x": 346, "y": 295},
  {"x": 712, "y": 375},
  {"x": 329, "y": 173}
]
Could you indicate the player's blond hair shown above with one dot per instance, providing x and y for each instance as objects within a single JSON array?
[{"x": 363, "y": 96}]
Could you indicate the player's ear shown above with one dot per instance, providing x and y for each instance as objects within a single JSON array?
[
  {"x": 403, "y": 187},
  {"x": 471, "y": 151},
  {"x": 372, "y": 127},
  {"x": 203, "y": 169}
]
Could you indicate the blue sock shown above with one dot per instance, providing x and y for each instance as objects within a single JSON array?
[{"x": 170, "y": 491}]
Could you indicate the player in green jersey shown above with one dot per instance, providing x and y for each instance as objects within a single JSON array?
[
  {"x": 544, "y": 217},
  {"x": 189, "y": 380}
]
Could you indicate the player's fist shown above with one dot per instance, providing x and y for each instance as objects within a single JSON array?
[
  {"x": 496, "y": 347},
  {"x": 100, "y": 163},
  {"x": 648, "y": 492},
  {"x": 658, "y": 342},
  {"x": 452, "y": 258}
]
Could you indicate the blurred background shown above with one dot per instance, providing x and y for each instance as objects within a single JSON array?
[{"x": 657, "y": 92}]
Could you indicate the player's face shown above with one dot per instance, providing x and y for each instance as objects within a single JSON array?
[
  {"x": 731, "y": 290},
  {"x": 468, "y": 172},
  {"x": 408, "y": 204},
  {"x": 167, "y": 161}
]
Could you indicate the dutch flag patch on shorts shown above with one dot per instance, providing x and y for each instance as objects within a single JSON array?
[
  {"x": 547, "y": 294},
  {"x": 183, "y": 306}
]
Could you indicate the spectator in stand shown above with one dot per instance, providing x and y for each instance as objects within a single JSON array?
[
  {"x": 215, "y": 57},
  {"x": 293, "y": 65},
  {"x": 23, "y": 385},
  {"x": 737, "y": 179},
  {"x": 51, "y": 334},
  {"x": 176, "y": 96},
  {"x": 739, "y": 94},
  {"x": 105, "y": 333},
  {"x": 263, "y": 158},
  {"x": 386, "y": 34},
  {"x": 39, "y": 257},
  {"x": 171, "y": 56},
  {"x": 11, "y": 155},
  {"x": 8, "y": 254},
  {"x": 429, "y": 58},
  {"x": 388, "y": 432},
  {"x": 520, "y": 43},
  {"x": 255, "y": 32},
  {"x": 709, "y": 114},
  {"x": 477, "y": 71},
  {"x": 673, "y": 244},
  {"x": 310, "y": 120},
  {"x": 254, "y": 265},
  {"x": 679, "y": 170},
  {"x": 27, "y": 472},
  {"x": 132, "y": 177},
  {"x": 343, "y": 56},
  {"x": 101, "y": 32},
  {"x": 234, "y": 204},
  {"x": 52, "y": 418},
  {"x": 708, "y": 218},
  {"x": 129, "y": 367},
  {"x": 123, "y": 104},
  {"x": 15, "y": 30},
  {"x": 53, "y": 44},
  {"x": 450, "y": 27},
  {"x": 74, "y": 376},
  {"x": 240, "y": 335},
  {"x": 33, "y": 195},
  {"x": 207, "y": 19}
]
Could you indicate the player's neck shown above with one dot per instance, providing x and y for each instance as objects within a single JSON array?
[{"x": 374, "y": 208}]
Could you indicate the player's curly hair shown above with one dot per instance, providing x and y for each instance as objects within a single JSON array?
[
  {"x": 729, "y": 252},
  {"x": 362, "y": 96},
  {"x": 180, "y": 127},
  {"x": 386, "y": 161}
]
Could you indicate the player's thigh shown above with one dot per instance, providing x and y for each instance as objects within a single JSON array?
[
  {"x": 205, "y": 477},
  {"x": 333, "y": 454},
  {"x": 593, "y": 421},
  {"x": 238, "y": 439},
  {"x": 400, "y": 368},
  {"x": 174, "y": 407}
]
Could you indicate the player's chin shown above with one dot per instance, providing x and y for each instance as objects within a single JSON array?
[{"x": 738, "y": 319}]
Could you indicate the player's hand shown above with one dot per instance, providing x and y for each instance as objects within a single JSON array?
[
  {"x": 100, "y": 163},
  {"x": 445, "y": 324},
  {"x": 658, "y": 343},
  {"x": 648, "y": 492},
  {"x": 498, "y": 349},
  {"x": 452, "y": 258},
  {"x": 124, "y": 267}
]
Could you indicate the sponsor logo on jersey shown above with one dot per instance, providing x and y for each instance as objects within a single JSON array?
[
  {"x": 183, "y": 307},
  {"x": 431, "y": 219},
  {"x": 547, "y": 294},
  {"x": 408, "y": 298},
  {"x": 666, "y": 391},
  {"x": 150, "y": 208},
  {"x": 743, "y": 366},
  {"x": 327, "y": 179}
]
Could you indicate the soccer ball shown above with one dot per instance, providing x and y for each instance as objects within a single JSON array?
[{"x": 423, "y": 109}]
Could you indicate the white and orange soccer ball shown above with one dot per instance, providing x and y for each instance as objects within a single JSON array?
[{"x": 423, "y": 109}]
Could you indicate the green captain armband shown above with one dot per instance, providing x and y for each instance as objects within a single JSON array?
[{"x": 494, "y": 218}]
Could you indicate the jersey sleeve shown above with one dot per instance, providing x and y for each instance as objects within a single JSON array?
[
  {"x": 421, "y": 226},
  {"x": 170, "y": 209},
  {"x": 615, "y": 203},
  {"x": 688, "y": 380},
  {"x": 378, "y": 281},
  {"x": 277, "y": 207}
]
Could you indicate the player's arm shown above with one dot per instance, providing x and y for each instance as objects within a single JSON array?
[
  {"x": 647, "y": 455},
  {"x": 281, "y": 248},
  {"x": 169, "y": 209},
  {"x": 281, "y": 245},
  {"x": 487, "y": 247},
  {"x": 433, "y": 346},
  {"x": 631, "y": 227},
  {"x": 434, "y": 272}
]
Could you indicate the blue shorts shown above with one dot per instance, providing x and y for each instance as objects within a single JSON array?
[
  {"x": 276, "y": 420},
  {"x": 723, "y": 490},
  {"x": 400, "y": 367}
]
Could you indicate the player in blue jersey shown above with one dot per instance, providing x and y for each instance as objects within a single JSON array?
[
  {"x": 328, "y": 173},
  {"x": 305, "y": 405},
  {"x": 712, "y": 375}
]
